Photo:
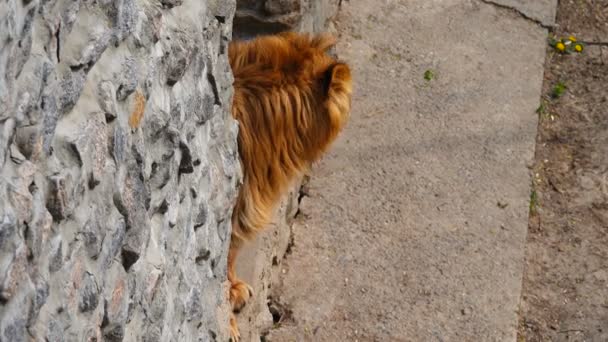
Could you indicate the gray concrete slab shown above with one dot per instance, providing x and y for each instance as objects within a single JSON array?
[{"x": 416, "y": 221}]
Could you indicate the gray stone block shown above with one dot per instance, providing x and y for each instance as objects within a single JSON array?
[{"x": 109, "y": 171}]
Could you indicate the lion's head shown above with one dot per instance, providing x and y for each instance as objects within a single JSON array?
[{"x": 296, "y": 82}]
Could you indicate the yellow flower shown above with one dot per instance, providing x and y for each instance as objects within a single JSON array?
[
  {"x": 572, "y": 38},
  {"x": 560, "y": 46},
  {"x": 578, "y": 48}
]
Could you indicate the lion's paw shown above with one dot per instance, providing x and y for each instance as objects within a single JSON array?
[
  {"x": 235, "y": 336},
  {"x": 240, "y": 292}
]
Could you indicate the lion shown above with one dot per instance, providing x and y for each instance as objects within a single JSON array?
[{"x": 291, "y": 99}]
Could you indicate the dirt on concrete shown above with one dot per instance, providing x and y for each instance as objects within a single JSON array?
[
  {"x": 565, "y": 292},
  {"x": 413, "y": 227}
]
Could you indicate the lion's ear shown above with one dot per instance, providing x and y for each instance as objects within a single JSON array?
[
  {"x": 324, "y": 41},
  {"x": 337, "y": 78}
]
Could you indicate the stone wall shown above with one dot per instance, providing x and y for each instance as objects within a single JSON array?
[
  {"x": 254, "y": 17},
  {"x": 118, "y": 169}
]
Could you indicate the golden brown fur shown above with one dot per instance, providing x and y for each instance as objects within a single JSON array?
[{"x": 291, "y": 100}]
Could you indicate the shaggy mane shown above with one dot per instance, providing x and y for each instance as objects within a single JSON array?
[{"x": 291, "y": 100}]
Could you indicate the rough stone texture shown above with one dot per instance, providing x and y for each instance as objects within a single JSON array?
[
  {"x": 270, "y": 16},
  {"x": 118, "y": 170}
]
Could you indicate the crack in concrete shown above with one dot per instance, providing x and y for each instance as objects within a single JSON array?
[
  {"x": 598, "y": 43},
  {"x": 522, "y": 14}
]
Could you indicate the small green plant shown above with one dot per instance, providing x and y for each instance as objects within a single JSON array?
[
  {"x": 429, "y": 75},
  {"x": 542, "y": 109},
  {"x": 533, "y": 202},
  {"x": 558, "y": 90},
  {"x": 566, "y": 45}
]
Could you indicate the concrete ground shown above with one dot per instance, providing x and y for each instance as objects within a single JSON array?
[{"x": 415, "y": 223}]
